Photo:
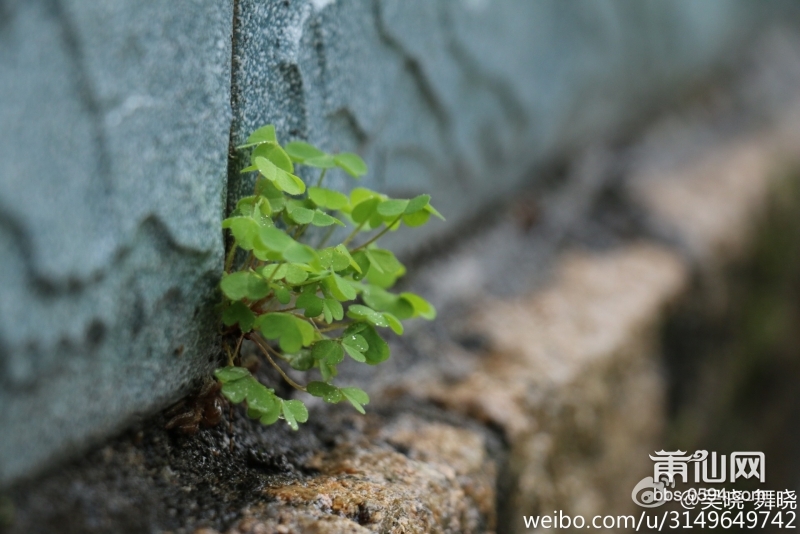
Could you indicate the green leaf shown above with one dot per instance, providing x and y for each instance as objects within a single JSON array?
[
  {"x": 274, "y": 153},
  {"x": 394, "y": 323},
  {"x": 307, "y": 331},
  {"x": 343, "y": 252},
  {"x": 274, "y": 271},
  {"x": 244, "y": 284},
  {"x": 384, "y": 280},
  {"x": 351, "y": 163},
  {"x": 326, "y": 312},
  {"x": 363, "y": 262},
  {"x": 417, "y": 218},
  {"x": 267, "y": 189},
  {"x": 235, "y": 390},
  {"x": 384, "y": 301},
  {"x": 299, "y": 214},
  {"x": 360, "y": 194},
  {"x": 355, "y": 341},
  {"x": 254, "y": 206},
  {"x": 310, "y": 302},
  {"x": 291, "y": 332},
  {"x": 391, "y": 209},
  {"x": 378, "y": 350},
  {"x": 430, "y": 209},
  {"x": 328, "y": 350},
  {"x": 230, "y": 373},
  {"x": 238, "y": 386},
  {"x": 364, "y": 210},
  {"x": 297, "y": 253},
  {"x": 244, "y": 230},
  {"x": 270, "y": 417},
  {"x": 321, "y": 162},
  {"x": 283, "y": 294},
  {"x": 283, "y": 180},
  {"x": 356, "y": 396},
  {"x": 294, "y": 411},
  {"x": 376, "y": 220},
  {"x": 290, "y": 183},
  {"x": 259, "y": 398},
  {"x": 300, "y": 151},
  {"x": 295, "y": 275},
  {"x": 302, "y": 361},
  {"x": 355, "y": 354},
  {"x": 327, "y": 392},
  {"x": 275, "y": 239},
  {"x": 335, "y": 309},
  {"x": 239, "y": 313},
  {"x": 422, "y": 307},
  {"x": 384, "y": 261},
  {"x": 341, "y": 259},
  {"x": 417, "y": 203},
  {"x": 323, "y": 219},
  {"x": 357, "y": 311},
  {"x": 265, "y": 134},
  {"x": 327, "y": 370},
  {"x": 327, "y": 198},
  {"x": 340, "y": 288},
  {"x": 262, "y": 212}
]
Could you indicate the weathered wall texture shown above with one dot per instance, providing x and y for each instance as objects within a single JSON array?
[
  {"x": 114, "y": 154},
  {"x": 460, "y": 99}
]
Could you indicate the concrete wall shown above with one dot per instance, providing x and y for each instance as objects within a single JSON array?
[{"x": 117, "y": 119}]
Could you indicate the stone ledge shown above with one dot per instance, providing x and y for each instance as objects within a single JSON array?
[
  {"x": 442, "y": 481},
  {"x": 572, "y": 379}
]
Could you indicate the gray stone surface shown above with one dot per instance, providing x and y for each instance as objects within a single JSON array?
[
  {"x": 462, "y": 99},
  {"x": 114, "y": 139},
  {"x": 113, "y": 156}
]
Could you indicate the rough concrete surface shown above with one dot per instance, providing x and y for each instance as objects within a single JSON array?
[
  {"x": 461, "y": 99},
  {"x": 113, "y": 155},
  {"x": 423, "y": 472},
  {"x": 443, "y": 480},
  {"x": 572, "y": 380}
]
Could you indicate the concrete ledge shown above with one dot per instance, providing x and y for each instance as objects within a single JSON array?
[
  {"x": 443, "y": 481},
  {"x": 572, "y": 379}
]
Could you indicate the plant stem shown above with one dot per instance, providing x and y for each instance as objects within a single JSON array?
[
  {"x": 273, "y": 273},
  {"x": 321, "y": 176},
  {"x": 229, "y": 258},
  {"x": 232, "y": 357},
  {"x": 228, "y": 353},
  {"x": 376, "y": 236},
  {"x": 266, "y": 349},
  {"x": 334, "y": 326},
  {"x": 299, "y": 232},
  {"x": 354, "y": 233},
  {"x": 327, "y": 236}
]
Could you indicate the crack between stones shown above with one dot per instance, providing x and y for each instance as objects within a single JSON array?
[{"x": 233, "y": 165}]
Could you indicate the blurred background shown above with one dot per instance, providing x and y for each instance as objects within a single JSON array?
[{"x": 660, "y": 134}]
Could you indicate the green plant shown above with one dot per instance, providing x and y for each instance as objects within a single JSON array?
[{"x": 310, "y": 305}]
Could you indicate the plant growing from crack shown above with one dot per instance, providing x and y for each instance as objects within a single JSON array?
[{"x": 308, "y": 306}]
